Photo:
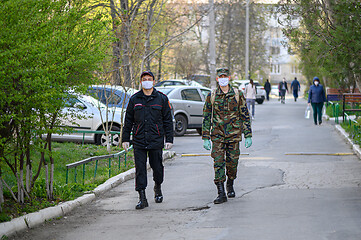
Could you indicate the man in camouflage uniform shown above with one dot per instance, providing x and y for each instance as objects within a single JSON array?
[{"x": 224, "y": 129}]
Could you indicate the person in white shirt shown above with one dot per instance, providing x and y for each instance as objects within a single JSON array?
[{"x": 250, "y": 95}]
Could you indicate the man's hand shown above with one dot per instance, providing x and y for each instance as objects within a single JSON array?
[
  {"x": 125, "y": 146},
  {"x": 248, "y": 142},
  {"x": 168, "y": 145},
  {"x": 207, "y": 144}
]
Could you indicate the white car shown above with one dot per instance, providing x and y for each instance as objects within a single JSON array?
[
  {"x": 177, "y": 82},
  {"x": 85, "y": 113},
  {"x": 187, "y": 103},
  {"x": 261, "y": 93}
]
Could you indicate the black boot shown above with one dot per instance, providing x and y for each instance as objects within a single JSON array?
[
  {"x": 230, "y": 190},
  {"x": 221, "y": 194},
  {"x": 158, "y": 196},
  {"x": 142, "y": 200}
]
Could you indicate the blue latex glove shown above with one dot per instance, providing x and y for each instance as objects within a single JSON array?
[
  {"x": 248, "y": 142},
  {"x": 207, "y": 144}
]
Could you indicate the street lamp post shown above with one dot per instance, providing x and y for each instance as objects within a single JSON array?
[
  {"x": 212, "y": 45},
  {"x": 247, "y": 40}
]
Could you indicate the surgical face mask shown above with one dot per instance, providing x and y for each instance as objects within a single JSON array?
[
  {"x": 316, "y": 83},
  {"x": 147, "y": 84},
  {"x": 223, "y": 81}
]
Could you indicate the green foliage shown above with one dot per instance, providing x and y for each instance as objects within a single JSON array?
[
  {"x": 46, "y": 48},
  {"x": 64, "y": 153},
  {"x": 328, "y": 39}
]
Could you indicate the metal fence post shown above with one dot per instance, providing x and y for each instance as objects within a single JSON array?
[
  {"x": 109, "y": 167},
  {"x": 84, "y": 174},
  {"x": 75, "y": 174},
  {"x": 96, "y": 167},
  {"x": 67, "y": 173}
]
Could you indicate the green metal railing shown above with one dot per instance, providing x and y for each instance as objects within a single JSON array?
[
  {"x": 96, "y": 159},
  {"x": 335, "y": 110},
  {"x": 354, "y": 126}
]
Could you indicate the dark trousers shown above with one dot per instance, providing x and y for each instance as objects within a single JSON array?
[
  {"x": 317, "y": 111},
  {"x": 267, "y": 95},
  {"x": 295, "y": 93},
  {"x": 156, "y": 163}
]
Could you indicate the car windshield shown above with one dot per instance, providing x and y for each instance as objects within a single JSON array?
[
  {"x": 93, "y": 101},
  {"x": 166, "y": 91}
]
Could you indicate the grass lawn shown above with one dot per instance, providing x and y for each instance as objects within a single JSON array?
[{"x": 63, "y": 154}]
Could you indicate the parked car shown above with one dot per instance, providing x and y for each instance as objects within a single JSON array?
[
  {"x": 274, "y": 90},
  {"x": 187, "y": 103},
  {"x": 203, "y": 79},
  {"x": 177, "y": 82},
  {"x": 261, "y": 93},
  {"x": 87, "y": 113},
  {"x": 113, "y": 95}
]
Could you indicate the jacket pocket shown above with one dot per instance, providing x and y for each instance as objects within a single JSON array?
[{"x": 138, "y": 112}]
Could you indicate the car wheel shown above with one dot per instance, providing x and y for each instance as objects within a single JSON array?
[
  {"x": 199, "y": 131},
  {"x": 259, "y": 101},
  {"x": 101, "y": 139},
  {"x": 180, "y": 125}
]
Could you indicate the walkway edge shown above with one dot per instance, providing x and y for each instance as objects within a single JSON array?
[
  {"x": 32, "y": 220},
  {"x": 355, "y": 147}
]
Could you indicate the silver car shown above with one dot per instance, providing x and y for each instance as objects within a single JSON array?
[
  {"x": 85, "y": 113},
  {"x": 187, "y": 103}
]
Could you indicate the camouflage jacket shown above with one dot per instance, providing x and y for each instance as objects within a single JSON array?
[{"x": 229, "y": 117}]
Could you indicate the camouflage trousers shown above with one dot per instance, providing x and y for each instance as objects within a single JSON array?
[{"x": 225, "y": 156}]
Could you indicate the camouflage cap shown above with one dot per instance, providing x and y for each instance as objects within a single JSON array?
[{"x": 222, "y": 71}]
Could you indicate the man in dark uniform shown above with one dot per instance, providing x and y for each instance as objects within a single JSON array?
[
  {"x": 225, "y": 117},
  {"x": 149, "y": 117}
]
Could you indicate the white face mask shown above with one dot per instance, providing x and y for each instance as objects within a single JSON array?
[
  {"x": 316, "y": 83},
  {"x": 223, "y": 81},
  {"x": 147, "y": 84}
]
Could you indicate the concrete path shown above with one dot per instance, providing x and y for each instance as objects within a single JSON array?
[{"x": 279, "y": 196}]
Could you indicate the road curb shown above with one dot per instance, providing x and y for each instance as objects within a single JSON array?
[
  {"x": 32, "y": 220},
  {"x": 344, "y": 134}
]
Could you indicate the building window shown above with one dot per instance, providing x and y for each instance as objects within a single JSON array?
[
  {"x": 275, "y": 69},
  {"x": 275, "y": 50},
  {"x": 295, "y": 69}
]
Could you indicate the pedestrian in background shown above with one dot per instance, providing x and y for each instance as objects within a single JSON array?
[
  {"x": 295, "y": 88},
  {"x": 316, "y": 98},
  {"x": 225, "y": 116},
  {"x": 282, "y": 87},
  {"x": 149, "y": 117},
  {"x": 267, "y": 88},
  {"x": 250, "y": 95}
]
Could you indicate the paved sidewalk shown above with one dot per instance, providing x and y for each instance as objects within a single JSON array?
[{"x": 278, "y": 196}]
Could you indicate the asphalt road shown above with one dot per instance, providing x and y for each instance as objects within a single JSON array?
[{"x": 278, "y": 196}]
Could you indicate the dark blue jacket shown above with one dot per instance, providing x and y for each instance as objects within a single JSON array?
[
  {"x": 316, "y": 94},
  {"x": 295, "y": 85},
  {"x": 150, "y": 120}
]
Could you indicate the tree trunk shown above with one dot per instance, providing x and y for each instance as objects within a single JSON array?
[
  {"x": 116, "y": 45},
  {"x": 29, "y": 172},
  {"x": 159, "y": 74},
  {"x": 126, "y": 43},
  {"x": 1, "y": 194},
  {"x": 47, "y": 181},
  {"x": 147, "y": 38},
  {"x": 51, "y": 174}
]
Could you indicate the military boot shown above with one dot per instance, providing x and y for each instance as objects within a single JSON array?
[
  {"x": 158, "y": 196},
  {"x": 142, "y": 200},
  {"x": 221, "y": 198},
  {"x": 230, "y": 190}
]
